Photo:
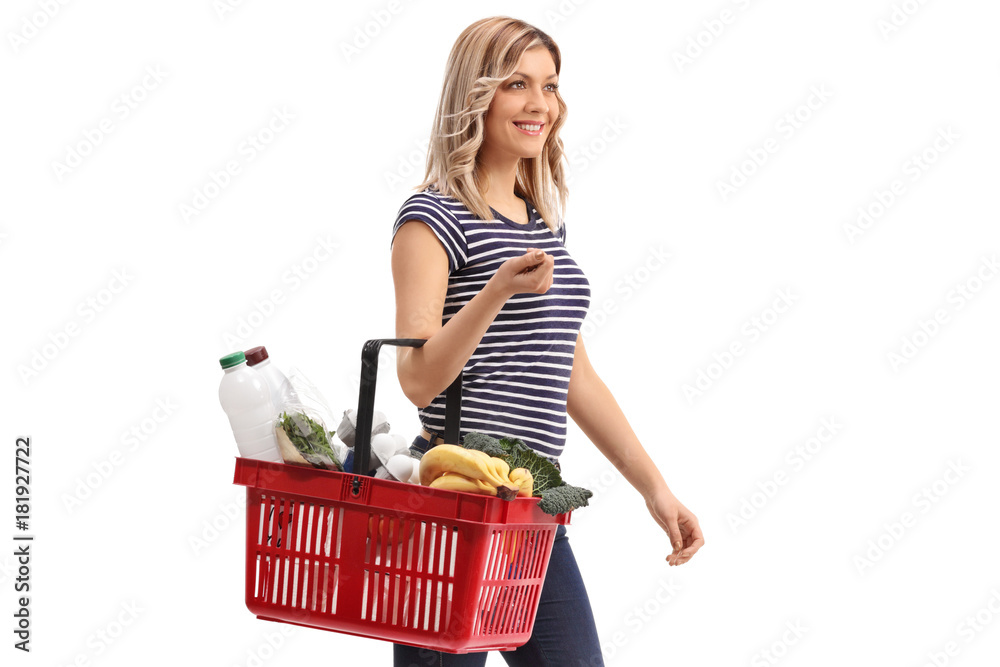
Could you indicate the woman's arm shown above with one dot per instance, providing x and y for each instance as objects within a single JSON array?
[
  {"x": 420, "y": 276},
  {"x": 594, "y": 409}
]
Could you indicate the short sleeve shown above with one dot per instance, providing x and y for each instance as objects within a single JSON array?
[{"x": 429, "y": 210}]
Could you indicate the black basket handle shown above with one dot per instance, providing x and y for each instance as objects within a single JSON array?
[{"x": 366, "y": 403}]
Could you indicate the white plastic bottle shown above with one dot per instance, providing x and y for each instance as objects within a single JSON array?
[
  {"x": 246, "y": 398},
  {"x": 282, "y": 391}
]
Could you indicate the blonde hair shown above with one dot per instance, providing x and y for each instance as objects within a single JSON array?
[{"x": 484, "y": 55}]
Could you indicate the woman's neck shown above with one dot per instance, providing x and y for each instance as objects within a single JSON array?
[{"x": 500, "y": 176}]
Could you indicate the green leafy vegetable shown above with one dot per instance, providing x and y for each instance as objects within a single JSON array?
[
  {"x": 544, "y": 473},
  {"x": 311, "y": 440},
  {"x": 557, "y": 496},
  {"x": 483, "y": 443},
  {"x": 562, "y": 499}
]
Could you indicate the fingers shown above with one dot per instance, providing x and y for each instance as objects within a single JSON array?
[
  {"x": 671, "y": 527},
  {"x": 535, "y": 271},
  {"x": 696, "y": 542},
  {"x": 674, "y": 532},
  {"x": 693, "y": 539},
  {"x": 529, "y": 260},
  {"x": 690, "y": 551}
]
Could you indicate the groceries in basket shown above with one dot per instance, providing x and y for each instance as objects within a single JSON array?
[
  {"x": 304, "y": 422},
  {"x": 249, "y": 404},
  {"x": 469, "y": 470},
  {"x": 391, "y": 456},
  {"x": 403, "y": 468},
  {"x": 282, "y": 391},
  {"x": 305, "y": 441},
  {"x": 349, "y": 423},
  {"x": 528, "y": 471},
  {"x": 256, "y": 394},
  {"x": 393, "y": 448},
  {"x": 384, "y": 446},
  {"x": 277, "y": 417}
]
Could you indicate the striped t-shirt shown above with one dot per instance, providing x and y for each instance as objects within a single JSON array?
[{"x": 515, "y": 383}]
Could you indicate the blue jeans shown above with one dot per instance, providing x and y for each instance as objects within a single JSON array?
[{"x": 564, "y": 631}]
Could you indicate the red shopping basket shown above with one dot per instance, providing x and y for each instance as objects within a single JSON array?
[{"x": 433, "y": 568}]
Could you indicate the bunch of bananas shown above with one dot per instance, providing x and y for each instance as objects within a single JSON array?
[{"x": 459, "y": 469}]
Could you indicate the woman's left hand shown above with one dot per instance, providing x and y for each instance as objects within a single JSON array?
[{"x": 680, "y": 524}]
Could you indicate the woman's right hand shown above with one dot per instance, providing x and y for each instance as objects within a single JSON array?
[{"x": 530, "y": 272}]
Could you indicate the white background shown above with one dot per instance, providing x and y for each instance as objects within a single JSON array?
[{"x": 650, "y": 138}]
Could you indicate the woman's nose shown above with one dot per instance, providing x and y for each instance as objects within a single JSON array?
[{"x": 536, "y": 102}]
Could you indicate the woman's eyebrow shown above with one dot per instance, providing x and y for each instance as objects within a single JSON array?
[{"x": 528, "y": 76}]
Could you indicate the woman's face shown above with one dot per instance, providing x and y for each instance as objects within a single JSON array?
[{"x": 528, "y": 97}]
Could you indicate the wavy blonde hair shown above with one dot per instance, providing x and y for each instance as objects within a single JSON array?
[{"x": 484, "y": 55}]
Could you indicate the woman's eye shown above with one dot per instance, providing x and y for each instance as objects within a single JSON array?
[{"x": 553, "y": 86}]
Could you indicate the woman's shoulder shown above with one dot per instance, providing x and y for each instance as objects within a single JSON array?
[
  {"x": 432, "y": 199},
  {"x": 434, "y": 195},
  {"x": 437, "y": 212}
]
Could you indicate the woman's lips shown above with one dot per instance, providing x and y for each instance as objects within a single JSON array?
[{"x": 531, "y": 134}]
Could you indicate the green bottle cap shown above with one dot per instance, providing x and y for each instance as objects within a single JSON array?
[{"x": 233, "y": 359}]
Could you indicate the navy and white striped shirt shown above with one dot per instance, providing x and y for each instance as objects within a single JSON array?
[{"x": 515, "y": 383}]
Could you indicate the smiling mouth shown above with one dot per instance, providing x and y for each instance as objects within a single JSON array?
[{"x": 532, "y": 129}]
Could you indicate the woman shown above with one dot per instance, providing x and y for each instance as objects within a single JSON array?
[{"x": 482, "y": 273}]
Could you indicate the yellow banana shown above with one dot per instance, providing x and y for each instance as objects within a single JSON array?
[
  {"x": 455, "y": 482},
  {"x": 499, "y": 467},
  {"x": 525, "y": 482},
  {"x": 456, "y": 459},
  {"x": 480, "y": 453},
  {"x": 482, "y": 456}
]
